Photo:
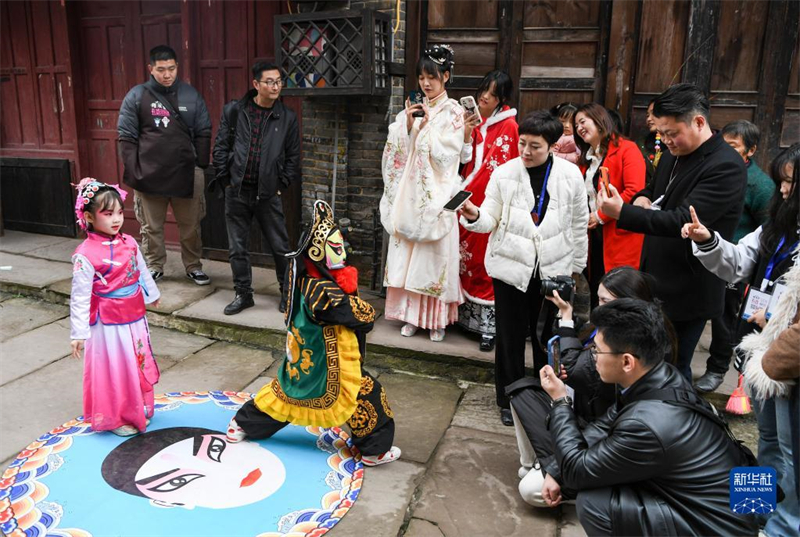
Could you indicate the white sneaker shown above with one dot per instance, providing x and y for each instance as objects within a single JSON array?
[
  {"x": 408, "y": 330},
  {"x": 235, "y": 433},
  {"x": 437, "y": 335},
  {"x": 375, "y": 460}
]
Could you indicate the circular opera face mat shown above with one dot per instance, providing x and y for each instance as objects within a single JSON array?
[{"x": 180, "y": 478}]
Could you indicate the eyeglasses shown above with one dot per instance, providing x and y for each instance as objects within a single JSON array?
[
  {"x": 269, "y": 82},
  {"x": 594, "y": 352}
]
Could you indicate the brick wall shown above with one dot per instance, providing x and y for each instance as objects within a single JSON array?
[{"x": 362, "y": 127}]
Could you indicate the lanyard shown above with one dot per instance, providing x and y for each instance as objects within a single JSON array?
[
  {"x": 777, "y": 259},
  {"x": 538, "y": 212}
]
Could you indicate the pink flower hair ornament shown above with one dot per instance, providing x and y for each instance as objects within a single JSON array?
[{"x": 87, "y": 189}]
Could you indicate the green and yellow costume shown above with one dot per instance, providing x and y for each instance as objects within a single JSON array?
[{"x": 321, "y": 381}]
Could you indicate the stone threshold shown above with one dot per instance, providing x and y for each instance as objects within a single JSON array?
[{"x": 418, "y": 355}]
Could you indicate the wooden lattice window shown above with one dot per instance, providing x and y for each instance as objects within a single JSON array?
[{"x": 335, "y": 52}]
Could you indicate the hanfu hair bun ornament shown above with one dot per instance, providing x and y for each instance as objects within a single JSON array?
[
  {"x": 442, "y": 55},
  {"x": 88, "y": 189}
]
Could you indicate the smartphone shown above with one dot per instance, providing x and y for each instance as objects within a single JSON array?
[
  {"x": 554, "y": 354},
  {"x": 604, "y": 179},
  {"x": 415, "y": 97},
  {"x": 469, "y": 105},
  {"x": 457, "y": 201}
]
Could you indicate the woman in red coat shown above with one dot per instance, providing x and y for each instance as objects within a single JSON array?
[
  {"x": 601, "y": 144},
  {"x": 490, "y": 139}
]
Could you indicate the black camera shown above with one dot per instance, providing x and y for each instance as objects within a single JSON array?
[{"x": 565, "y": 286}]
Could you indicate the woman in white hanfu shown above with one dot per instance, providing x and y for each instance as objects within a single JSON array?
[{"x": 420, "y": 174}]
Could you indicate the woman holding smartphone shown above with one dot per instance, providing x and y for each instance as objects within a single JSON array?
[
  {"x": 420, "y": 174},
  {"x": 490, "y": 140},
  {"x": 601, "y": 144},
  {"x": 535, "y": 213}
]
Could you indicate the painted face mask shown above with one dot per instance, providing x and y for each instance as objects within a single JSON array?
[
  {"x": 325, "y": 240},
  {"x": 335, "y": 255}
]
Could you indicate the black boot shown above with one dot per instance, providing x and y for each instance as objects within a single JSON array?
[{"x": 242, "y": 301}]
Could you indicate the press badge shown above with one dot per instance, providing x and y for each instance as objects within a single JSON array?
[{"x": 756, "y": 300}]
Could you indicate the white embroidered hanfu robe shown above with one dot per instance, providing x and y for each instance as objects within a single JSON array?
[{"x": 420, "y": 174}]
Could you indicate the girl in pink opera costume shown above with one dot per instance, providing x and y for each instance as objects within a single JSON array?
[{"x": 110, "y": 287}]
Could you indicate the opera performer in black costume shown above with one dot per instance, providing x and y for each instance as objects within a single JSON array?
[{"x": 322, "y": 381}]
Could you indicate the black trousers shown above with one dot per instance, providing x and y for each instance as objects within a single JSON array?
[
  {"x": 370, "y": 437},
  {"x": 724, "y": 329},
  {"x": 239, "y": 213},
  {"x": 595, "y": 268},
  {"x": 517, "y": 316},
  {"x": 688, "y": 334},
  {"x": 593, "y": 507}
]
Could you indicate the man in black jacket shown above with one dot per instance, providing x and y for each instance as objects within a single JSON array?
[
  {"x": 651, "y": 465},
  {"x": 700, "y": 170},
  {"x": 256, "y": 156},
  {"x": 164, "y": 137}
]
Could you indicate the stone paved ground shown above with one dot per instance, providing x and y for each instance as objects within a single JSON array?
[{"x": 457, "y": 476}]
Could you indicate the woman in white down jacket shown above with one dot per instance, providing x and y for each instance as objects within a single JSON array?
[
  {"x": 536, "y": 212},
  {"x": 420, "y": 174}
]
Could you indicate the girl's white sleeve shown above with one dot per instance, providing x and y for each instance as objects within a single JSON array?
[
  {"x": 731, "y": 262},
  {"x": 466, "y": 152},
  {"x": 393, "y": 164},
  {"x": 151, "y": 289},
  {"x": 446, "y": 145},
  {"x": 81, "y": 297}
]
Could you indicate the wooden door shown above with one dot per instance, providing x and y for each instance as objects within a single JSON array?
[
  {"x": 38, "y": 120},
  {"x": 114, "y": 43},
  {"x": 554, "y": 50},
  {"x": 474, "y": 30},
  {"x": 35, "y": 73},
  {"x": 229, "y": 38},
  {"x": 659, "y": 62},
  {"x": 738, "y": 51},
  {"x": 563, "y": 52}
]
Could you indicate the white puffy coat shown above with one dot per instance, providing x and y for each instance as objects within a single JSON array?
[{"x": 559, "y": 245}]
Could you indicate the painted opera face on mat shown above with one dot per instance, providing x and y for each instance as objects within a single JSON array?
[{"x": 192, "y": 467}]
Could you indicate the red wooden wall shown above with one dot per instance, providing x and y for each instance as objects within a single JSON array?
[{"x": 66, "y": 67}]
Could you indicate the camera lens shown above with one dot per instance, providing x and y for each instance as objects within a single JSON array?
[{"x": 548, "y": 286}]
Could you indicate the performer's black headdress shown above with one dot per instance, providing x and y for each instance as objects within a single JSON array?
[{"x": 313, "y": 243}]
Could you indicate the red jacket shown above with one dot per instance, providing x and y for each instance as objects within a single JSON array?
[{"x": 626, "y": 171}]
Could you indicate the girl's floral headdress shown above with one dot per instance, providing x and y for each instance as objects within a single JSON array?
[
  {"x": 442, "y": 55},
  {"x": 87, "y": 189}
]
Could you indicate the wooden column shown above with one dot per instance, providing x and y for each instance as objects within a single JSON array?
[
  {"x": 780, "y": 44},
  {"x": 601, "y": 62},
  {"x": 509, "y": 47},
  {"x": 416, "y": 31},
  {"x": 700, "y": 43},
  {"x": 622, "y": 52}
]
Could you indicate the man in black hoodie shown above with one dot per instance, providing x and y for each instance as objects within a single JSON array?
[
  {"x": 164, "y": 137},
  {"x": 256, "y": 156}
]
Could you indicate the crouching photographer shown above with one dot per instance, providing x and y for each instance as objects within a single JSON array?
[
  {"x": 658, "y": 462},
  {"x": 530, "y": 404}
]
